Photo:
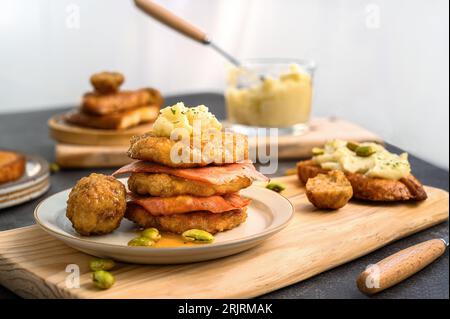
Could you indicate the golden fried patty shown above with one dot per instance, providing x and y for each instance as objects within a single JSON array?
[
  {"x": 179, "y": 223},
  {"x": 102, "y": 104},
  {"x": 165, "y": 185},
  {"x": 96, "y": 205},
  {"x": 114, "y": 121},
  {"x": 12, "y": 166},
  {"x": 368, "y": 188},
  {"x": 231, "y": 148}
]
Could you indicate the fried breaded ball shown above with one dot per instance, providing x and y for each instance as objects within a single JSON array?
[
  {"x": 96, "y": 205},
  {"x": 165, "y": 185},
  {"x": 107, "y": 82},
  {"x": 329, "y": 191},
  {"x": 369, "y": 188},
  {"x": 148, "y": 147},
  {"x": 179, "y": 223}
]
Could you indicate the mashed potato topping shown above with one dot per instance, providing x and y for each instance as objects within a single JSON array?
[
  {"x": 273, "y": 102},
  {"x": 336, "y": 155},
  {"x": 180, "y": 116}
]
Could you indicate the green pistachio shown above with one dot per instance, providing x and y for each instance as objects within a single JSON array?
[
  {"x": 318, "y": 151},
  {"x": 141, "y": 241},
  {"x": 198, "y": 235},
  {"x": 103, "y": 279},
  {"x": 151, "y": 233},
  {"x": 352, "y": 146},
  {"x": 364, "y": 151},
  {"x": 101, "y": 264},
  {"x": 54, "y": 168},
  {"x": 276, "y": 187}
]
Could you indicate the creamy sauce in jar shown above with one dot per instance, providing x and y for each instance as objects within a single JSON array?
[{"x": 281, "y": 101}]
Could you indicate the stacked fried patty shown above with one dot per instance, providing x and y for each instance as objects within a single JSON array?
[
  {"x": 175, "y": 198},
  {"x": 110, "y": 108}
]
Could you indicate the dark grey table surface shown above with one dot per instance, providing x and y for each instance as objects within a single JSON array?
[{"x": 27, "y": 132}]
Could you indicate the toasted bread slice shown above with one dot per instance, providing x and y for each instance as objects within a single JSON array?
[
  {"x": 12, "y": 166},
  {"x": 102, "y": 104},
  {"x": 115, "y": 121},
  {"x": 367, "y": 188}
]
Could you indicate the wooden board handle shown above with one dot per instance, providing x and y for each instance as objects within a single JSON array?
[
  {"x": 399, "y": 266},
  {"x": 171, "y": 20}
]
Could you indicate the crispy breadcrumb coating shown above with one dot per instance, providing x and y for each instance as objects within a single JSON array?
[
  {"x": 368, "y": 188},
  {"x": 96, "y": 205},
  {"x": 178, "y": 223},
  {"x": 329, "y": 191}
]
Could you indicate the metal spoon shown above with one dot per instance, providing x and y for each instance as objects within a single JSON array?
[{"x": 178, "y": 24}]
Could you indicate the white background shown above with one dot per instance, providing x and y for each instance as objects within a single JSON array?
[{"x": 382, "y": 64}]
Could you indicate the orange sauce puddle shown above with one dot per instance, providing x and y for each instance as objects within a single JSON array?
[{"x": 172, "y": 240}]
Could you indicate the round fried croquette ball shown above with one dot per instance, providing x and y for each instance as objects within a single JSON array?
[
  {"x": 96, "y": 205},
  {"x": 107, "y": 82},
  {"x": 329, "y": 191}
]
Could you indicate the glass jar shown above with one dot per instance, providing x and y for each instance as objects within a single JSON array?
[{"x": 270, "y": 93}]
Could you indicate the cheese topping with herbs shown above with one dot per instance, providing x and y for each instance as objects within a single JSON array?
[
  {"x": 377, "y": 163},
  {"x": 180, "y": 116}
]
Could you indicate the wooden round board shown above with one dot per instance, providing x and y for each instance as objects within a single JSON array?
[
  {"x": 64, "y": 132},
  {"x": 34, "y": 182}
]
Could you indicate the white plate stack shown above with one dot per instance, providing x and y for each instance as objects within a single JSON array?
[{"x": 34, "y": 182}]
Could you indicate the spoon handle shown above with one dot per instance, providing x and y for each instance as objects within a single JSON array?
[
  {"x": 172, "y": 21},
  {"x": 399, "y": 266}
]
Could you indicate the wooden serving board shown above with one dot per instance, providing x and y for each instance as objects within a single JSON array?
[
  {"x": 85, "y": 156},
  {"x": 63, "y": 132},
  {"x": 33, "y": 264},
  {"x": 107, "y": 155}
]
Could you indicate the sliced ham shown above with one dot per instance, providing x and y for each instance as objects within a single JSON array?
[
  {"x": 184, "y": 204},
  {"x": 216, "y": 175}
]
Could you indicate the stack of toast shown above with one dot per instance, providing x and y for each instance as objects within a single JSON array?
[
  {"x": 97, "y": 132},
  {"x": 110, "y": 108}
]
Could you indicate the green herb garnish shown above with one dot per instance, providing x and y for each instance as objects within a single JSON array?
[
  {"x": 54, "y": 168},
  {"x": 276, "y": 187}
]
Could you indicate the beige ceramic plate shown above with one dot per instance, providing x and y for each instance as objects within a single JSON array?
[{"x": 268, "y": 213}]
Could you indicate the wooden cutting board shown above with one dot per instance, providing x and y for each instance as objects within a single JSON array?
[
  {"x": 107, "y": 155},
  {"x": 33, "y": 264},
  {"x": 85, "y": 156},
  {"x": 64, "y": 132}
]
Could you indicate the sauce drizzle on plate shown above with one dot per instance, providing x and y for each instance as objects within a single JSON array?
[{"x": 171, "y": 240}]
